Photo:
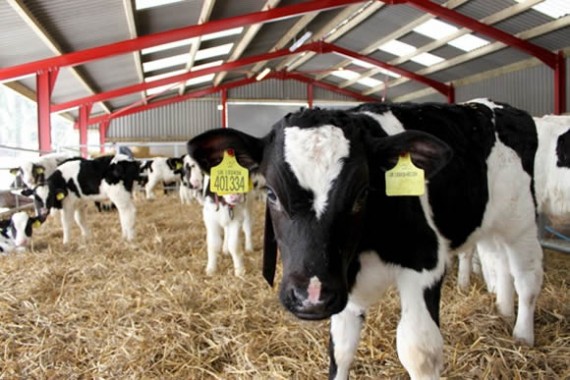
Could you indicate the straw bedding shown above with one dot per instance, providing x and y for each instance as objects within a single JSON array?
[{"x": 106, "y": 309}]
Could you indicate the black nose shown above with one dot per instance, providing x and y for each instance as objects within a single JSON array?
[{"x": 306, "y": 303}]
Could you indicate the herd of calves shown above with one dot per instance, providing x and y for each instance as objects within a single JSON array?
[{"x": 59, "y": 182}]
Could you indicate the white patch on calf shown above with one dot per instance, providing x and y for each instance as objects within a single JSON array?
[
  {"x": 390, "y": 124},
  {"x": 552, "y": 182},
  {"x": 315, "y": 157},
  {"x": 20, "y": 221},
  {"x": 486, "y": 102}
]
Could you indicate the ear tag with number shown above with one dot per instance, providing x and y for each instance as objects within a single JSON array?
[
  {"x": 59, "y": 196},
  {"x": 36, "y": 224},
  {"x": 229, "y": 177},
  {"x": 405, "y": 178}
]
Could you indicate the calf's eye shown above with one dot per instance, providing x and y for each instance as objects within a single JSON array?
[{"x": 273, "y": 199}]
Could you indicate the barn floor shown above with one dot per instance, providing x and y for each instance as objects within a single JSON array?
[{"x": 106, "y": 309}]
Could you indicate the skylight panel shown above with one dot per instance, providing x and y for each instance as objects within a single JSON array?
[
  {"x": 553, "y": 8},
  {"x": 145, "y": 4},
  {"x": 199, "y": 80},
  {"x": 170, "y": 45},
  {"x": 345, "y": 74},
  {"x": 163, "y": 63},
  {"x": 207, "y": 65},
  {"x": 435, "y": 29},
  {"x": 370, "y": 82},
  {"x": 397, "y": 48},
  {"x": 223, "y": 33},
  {"x": 160, "y": 89},
  {"x": 389, "y": 73},
  {"x": 165, "y": 75},
  {"x": 468, "y": 42},
  {"x": 360, "y": 63},
  {"x": 427, "y": 59},
  {"x": 215, "y": 51}
]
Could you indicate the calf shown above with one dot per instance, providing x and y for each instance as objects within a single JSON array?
[
  {"x": 224, "y": 217},
  {"x": 35, "y": 172},
  {"x": 192, "y": 181},
  {"x": 16, "y": 232},
  {"x": 104, "y": 178},
  {"x": 343, "y": 241},
  {"x": 162, "y": 169},
  {"x": 552, "y": 190}
]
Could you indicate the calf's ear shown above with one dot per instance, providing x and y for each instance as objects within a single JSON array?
[
  {"x": 269, "y": 249},
  {"x": 427, "y": 151},
  {"x": 208, "y": 148}
]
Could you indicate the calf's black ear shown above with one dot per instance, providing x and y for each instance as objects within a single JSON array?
[
  {"x": 27, "y": 192},
  {"x": 269, "y": 250},
  {"x": 208, "y": 148},
  {"x": 427, "y": 151}
]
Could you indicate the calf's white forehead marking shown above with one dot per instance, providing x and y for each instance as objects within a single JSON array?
[{"x": 315, "y": 157}]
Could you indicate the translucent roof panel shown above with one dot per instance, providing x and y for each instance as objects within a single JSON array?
[
  {"x": 145, "y": 4},
  {"x": 435, "y": 29},
  {"x": 553, "y": 8}
]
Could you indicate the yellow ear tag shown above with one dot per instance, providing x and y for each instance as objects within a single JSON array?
[
  {"x": 36, "y": 224},
  {"x": 59, "y": 196},
  {"x": 178, "y": 165},
  {"x": 229, "y": 177},
  {"x": 405, "y": 178},
  {"x": 39, "y": 170}
]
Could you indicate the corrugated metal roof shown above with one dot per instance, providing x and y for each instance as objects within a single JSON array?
[{"x": 81, "y": 24}]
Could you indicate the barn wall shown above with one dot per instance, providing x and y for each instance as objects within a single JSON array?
[
  {"x": 177, "y": 121},
  {"x": 531, "y": 89}
]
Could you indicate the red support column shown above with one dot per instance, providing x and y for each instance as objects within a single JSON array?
[
  {"x": 103, "y": 128},
  {"x": 560, "y": 85},
  {"x": 45, "y": 81},
  {"x": 224, "y": 109},
  {"x": 310, "y": 95},
  {"x": 84, "y": 112},
  {"x": 451, "y": 94}
]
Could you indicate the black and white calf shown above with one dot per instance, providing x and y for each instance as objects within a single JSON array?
[
  {"x": 552, "y": 191},
  {"x": 78, "y": 181},
  {"x": 35, "y": 172},
  {"x": 343, "y": 241},
  {"x": 162, "y": 169},
  {"x": 192, "y": 181},
  {"x": 16, "y": 232}
]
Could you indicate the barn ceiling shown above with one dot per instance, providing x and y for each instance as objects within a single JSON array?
[{"x": 368, "y": 49}]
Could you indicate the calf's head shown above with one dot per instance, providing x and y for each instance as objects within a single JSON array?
[{"x": 319, "y": 167}]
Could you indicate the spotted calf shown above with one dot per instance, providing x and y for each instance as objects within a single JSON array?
[{"x": 343, "y": 241}]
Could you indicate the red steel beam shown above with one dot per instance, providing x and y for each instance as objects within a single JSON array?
[
  {"x": 45, "y": 81},
  {"x": 327, "y": 86},
  {"x": 560, "y": 85},
  {"x": 129, "y": 110},
  {"x": 546, "y": 56},
  {"x": 139, "y": 43},
  {"x": 317, "y": 47},
  {"x": 84, "y": 112},
  {"x": 164, "y": 102},
  {"x": 228, "y": 66},
  {"x": 439, "y": 86}
]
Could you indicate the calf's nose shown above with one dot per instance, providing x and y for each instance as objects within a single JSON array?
[{"x": 312, "y": 301}]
